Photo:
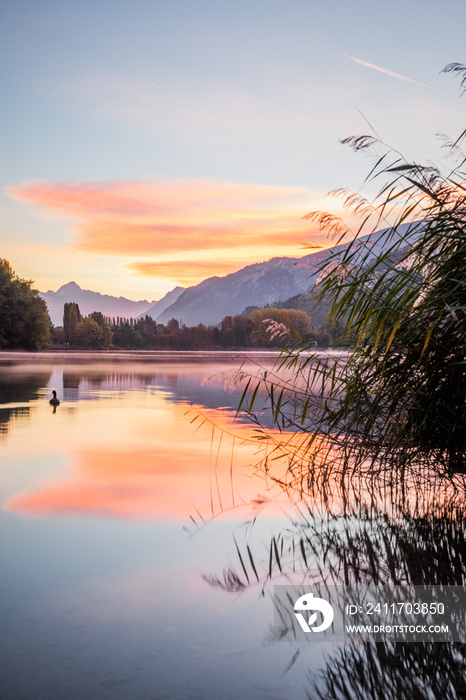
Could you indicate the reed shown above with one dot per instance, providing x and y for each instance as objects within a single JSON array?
[{"x": 399, "y": 398}]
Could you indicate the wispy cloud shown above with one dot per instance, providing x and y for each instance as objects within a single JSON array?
[
  {"x": 185, "y": 272},
  {"x": 387, "y": 72},
  {"x": 161, "y": 227},
  {"x": 193, "y": 104}
]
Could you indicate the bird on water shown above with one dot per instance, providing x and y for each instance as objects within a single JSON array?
[{"x": 54, "y": 401}]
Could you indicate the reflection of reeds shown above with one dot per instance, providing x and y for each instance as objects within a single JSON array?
[
  {"x": 355, "y": 525},
  {"x": 368, "y": 532},
  {"x": 382, "y": 671},
  {"x": 395, "y": 525},
  {"x": 363, "y": 530}
]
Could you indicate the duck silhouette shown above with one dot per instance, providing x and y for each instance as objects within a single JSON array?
[{"x": 54, "y": 401}]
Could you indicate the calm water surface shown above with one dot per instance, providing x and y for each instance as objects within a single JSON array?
[
  {"x": 124, "y": 515},
  {"x": 102, "y": 592}
]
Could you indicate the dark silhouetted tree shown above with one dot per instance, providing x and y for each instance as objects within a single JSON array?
[
  {"x": 71, "y": 318},
  {"x": 24, "y": 319}
]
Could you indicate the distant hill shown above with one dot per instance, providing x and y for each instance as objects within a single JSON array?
[
  {"x": 90, "y": 301},
  {"x": 274, "y": 282},
  {"x": 316, "y": 307},
  {"x": 308, "y": 302},
  {"x": 159, "y": 307},
  {"x": 259, "y": 284}
]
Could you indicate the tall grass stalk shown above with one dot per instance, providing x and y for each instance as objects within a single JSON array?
[{"x": 400, "y": 287}]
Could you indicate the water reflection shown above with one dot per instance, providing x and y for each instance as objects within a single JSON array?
[
  {"x": 101, "y": 588},
  {"x": 132, "y": 451},
  {"x": 17, "y": 388},
  {"x": 399, "y": 531},
  {"x": 94, "y": 499},
  {"x": 123, "y": 481}
]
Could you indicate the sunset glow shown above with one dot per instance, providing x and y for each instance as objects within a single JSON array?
[
  {"x": 223, "y": 226},
  {"x": 143, "y": 464},
  {"x": 198, "y": 149},
  {"x": 183, "y": 231},
  {"x": 136, "y": 452}
]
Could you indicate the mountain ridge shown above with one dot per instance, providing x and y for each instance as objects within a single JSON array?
[
  {"x": 159, "y": 306},
  {"x": 90, "y": 301},
  {"x": 259, "y": 284}
]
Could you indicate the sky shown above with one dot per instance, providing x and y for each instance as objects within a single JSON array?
[{"x": 148, "y": 144}]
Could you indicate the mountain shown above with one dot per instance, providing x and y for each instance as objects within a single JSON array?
[
  {"x": 159, "y": 307},
  {"x": 90, "y": 301},
  {"x": 260, "y": 284},
  {"x": 318, "y": 308},
  {"x": 257, "y": 284}
]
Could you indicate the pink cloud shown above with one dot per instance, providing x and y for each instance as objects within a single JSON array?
[
  {"x": 154, "y": 218},
  {"x": 186, "y": 272}
]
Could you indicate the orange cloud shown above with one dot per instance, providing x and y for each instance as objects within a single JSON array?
[
  {"x": 157, "y": 218},
  {"x": 187, "y": 272},
  {"x": 122, "y": 238}
]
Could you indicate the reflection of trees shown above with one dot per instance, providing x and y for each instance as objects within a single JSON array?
[
  {"x": 71, "y": 379},
  {"x": 104, "y": 379},
  {"x": 19, "y": 388},
  {"x": 8, "y": 415}
]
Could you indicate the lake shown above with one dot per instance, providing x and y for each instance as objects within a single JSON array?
[{"x": 141, "y": 536}]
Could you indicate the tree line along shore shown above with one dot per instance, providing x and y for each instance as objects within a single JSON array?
[{"x": 25, "y": 324}]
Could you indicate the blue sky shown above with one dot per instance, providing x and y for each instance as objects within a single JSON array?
[{"x": 125, "y": 123}]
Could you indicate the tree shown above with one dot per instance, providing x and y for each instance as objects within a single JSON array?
[
  {"x": 240, "y": 327},
  {"x": 88, "y": 333},
  {"x": 173, "y": 325},
  {"x": 24, "y": 319},
  {"x": 275, "y": 327},
  {"x": 106, "y": 331},
  {"x": 71, "y": 318}
]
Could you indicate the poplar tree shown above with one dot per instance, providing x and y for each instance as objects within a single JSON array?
[{"x": 71, "y": 318}]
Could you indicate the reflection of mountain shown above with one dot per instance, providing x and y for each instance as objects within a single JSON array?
[{"x": 17, "y": 388}]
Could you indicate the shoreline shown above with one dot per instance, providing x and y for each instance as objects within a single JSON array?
[{"x": 12, "y": 356}]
